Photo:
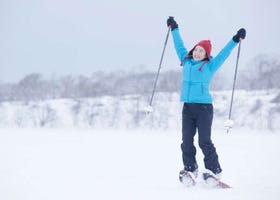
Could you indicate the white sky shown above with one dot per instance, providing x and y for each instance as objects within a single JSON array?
[{"x": 60, "y": 37}]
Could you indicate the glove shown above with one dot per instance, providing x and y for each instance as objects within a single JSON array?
[
  {"x": 241, "y": 34},
  {"x": 172, "y": 23}
]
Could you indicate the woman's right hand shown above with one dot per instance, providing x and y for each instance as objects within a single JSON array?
[{"x": 172, "y": 23}]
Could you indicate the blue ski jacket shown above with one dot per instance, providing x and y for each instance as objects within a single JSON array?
[{"x": 195, "y": 82}]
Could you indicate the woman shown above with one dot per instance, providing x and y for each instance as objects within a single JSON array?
[{"x": 199, "y": 68}]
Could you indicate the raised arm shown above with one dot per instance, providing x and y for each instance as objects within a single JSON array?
[
  {"x": 225, "y": 52},
  {"x": 178, "y": 42}
]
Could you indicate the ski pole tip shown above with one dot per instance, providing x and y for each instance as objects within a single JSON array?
[{"x": 148, "y": 109}]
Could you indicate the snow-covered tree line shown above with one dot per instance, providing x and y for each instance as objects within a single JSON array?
[
  {"x": 263, "y": 74},
  {"x": 251, "y": 109},
  {"x": 35, "y": 87}
]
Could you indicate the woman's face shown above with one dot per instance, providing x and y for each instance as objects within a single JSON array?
[{"x": 199, "y": 53}]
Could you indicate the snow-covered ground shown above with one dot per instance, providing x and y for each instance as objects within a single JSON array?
[{"x": 86, "y": 164}]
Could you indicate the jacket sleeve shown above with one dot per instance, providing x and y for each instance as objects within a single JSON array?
[
  {"x": 217, "y": 62},
  {"x": 179, "y": 44}
]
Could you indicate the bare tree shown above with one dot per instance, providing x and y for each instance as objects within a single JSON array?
[
  {"x": 67, "y": 87},
  {"x": 43, "y": 115},
  {"x": 30, "y": 88},
  {"x": 264, "y": 74}
]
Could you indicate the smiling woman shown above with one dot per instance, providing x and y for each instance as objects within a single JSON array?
[
  {"x": 199, "y": 68},
  {"x": 199, "y": 53}
]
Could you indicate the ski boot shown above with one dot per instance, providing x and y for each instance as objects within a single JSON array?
[{"x": 188, "y": 178}]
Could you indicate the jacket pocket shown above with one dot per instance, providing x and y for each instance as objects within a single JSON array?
[{"x": 196, "y": 89}]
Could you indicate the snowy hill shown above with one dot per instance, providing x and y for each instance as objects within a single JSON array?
[{"x": 256, "y": 109}]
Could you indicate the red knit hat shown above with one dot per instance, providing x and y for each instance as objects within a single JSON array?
[{"x": 206, "y": 44}]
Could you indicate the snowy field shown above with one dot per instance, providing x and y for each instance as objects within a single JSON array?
[{"x": 52, "y": 164}]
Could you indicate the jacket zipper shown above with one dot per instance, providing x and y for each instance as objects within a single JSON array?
[{"x": 188, "y": 99}]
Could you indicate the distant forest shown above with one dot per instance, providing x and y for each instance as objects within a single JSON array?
[{"x": 263, "y": 75}]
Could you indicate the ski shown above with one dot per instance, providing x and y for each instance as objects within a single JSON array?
[
  {"x": 212, "y": 181},
  {"x": 189, "y": 179}
]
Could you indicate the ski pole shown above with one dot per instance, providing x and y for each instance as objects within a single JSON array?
[
  {"x": 159, "y": 67},
  {"x": 233, "y": 86}
]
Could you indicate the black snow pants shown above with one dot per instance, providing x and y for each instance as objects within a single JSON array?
[{"x": 198, "y": 117}]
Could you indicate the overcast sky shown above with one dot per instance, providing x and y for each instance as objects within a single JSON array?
[{"x": 60, "y": 37}]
